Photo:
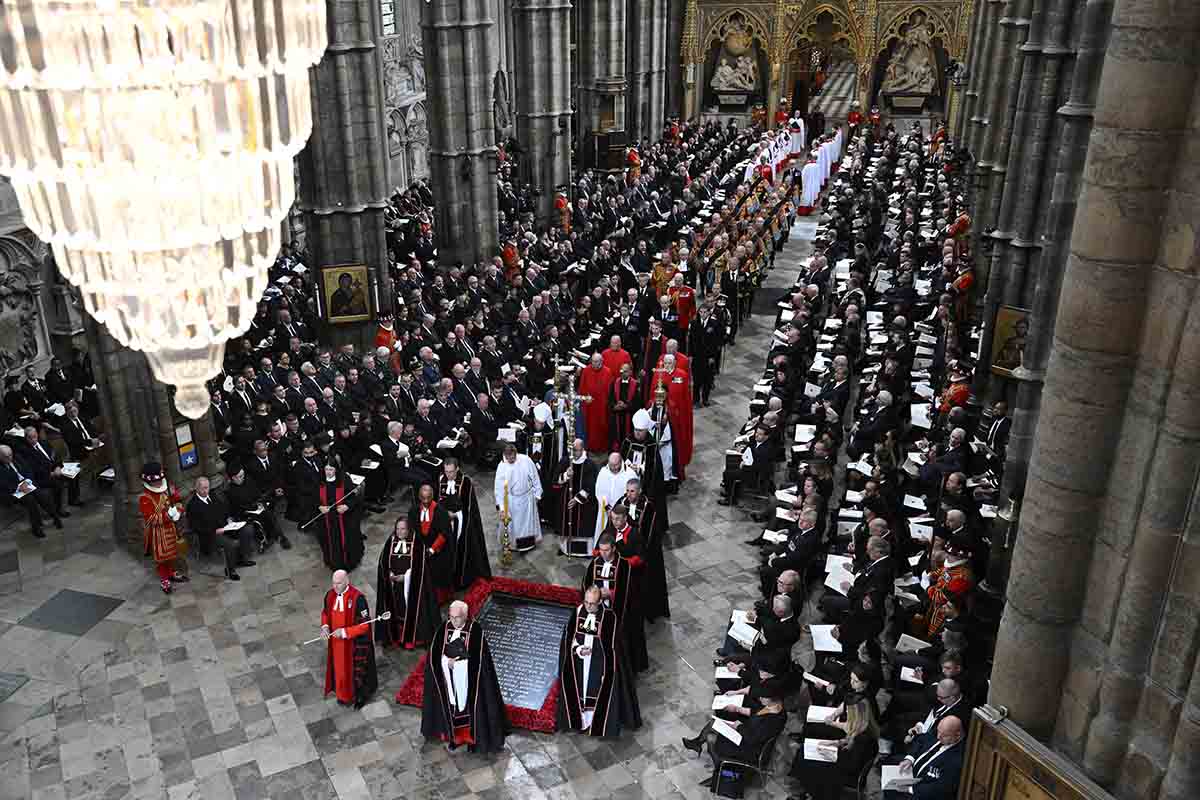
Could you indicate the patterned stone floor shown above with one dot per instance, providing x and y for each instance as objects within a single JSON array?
[{"x": 113, "y": 690}]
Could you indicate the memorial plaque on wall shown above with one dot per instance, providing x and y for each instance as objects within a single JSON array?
[{"x": 523, "y": 636}]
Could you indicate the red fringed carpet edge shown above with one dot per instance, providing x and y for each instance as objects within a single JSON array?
[{"x": 541, "y": 719}]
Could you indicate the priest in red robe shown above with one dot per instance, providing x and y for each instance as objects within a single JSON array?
[
  {"x": 615, "y": 356},
  {"x": 679, "y": 410},
  {"x": 684, "y": 298},
  {"x": 346, "y": 626},
  {"x": 594, "y": 382}
]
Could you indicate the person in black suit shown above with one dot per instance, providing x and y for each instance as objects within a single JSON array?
[
  {"x": 266, "y": 470},
  {"x": 78, "y": 435},
  {"x": 60, "y": 386},
  {"x": 16, "y": 475},
  {"x": 872, "y": 427},
  {"x": 48, "y": 471},
  {"x": 208, "y": 515},
  {"x": 241, "y": 399},
  {"x": 802, "y": 545},
  {"x": 996, "y": 437},
  {"x": 221, "y": 420},
  {"x": 936, "y": 762},
  {"x": 287, "y": 329},
  {"x": 757, "y": 730}
]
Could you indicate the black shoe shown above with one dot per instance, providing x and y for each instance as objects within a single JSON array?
[
  {"x": 246, "y": 563},
  {"x": 707, "y": 782},
  {"x": 39, "y": 534},
  {"x": 285, "y": 543},
  {"x": 64, "y": 514},
  {"x": 796, "y": 737},
  {"x": 231, "y": 575},
  {"x": 58, "y": 523},
  {"x": 722, "y": 501},
  {"x": 692, "y": 744},
  {"x": 177, "y": 578}
]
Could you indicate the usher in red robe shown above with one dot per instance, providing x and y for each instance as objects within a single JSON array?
[
  {"x": 341, "y": 670},
  {"x": 594, "y": 383}
]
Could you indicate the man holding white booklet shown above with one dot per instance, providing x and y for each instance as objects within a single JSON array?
[{"x": 932, "y": 769}]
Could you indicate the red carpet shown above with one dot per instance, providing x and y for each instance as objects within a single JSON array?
[{"x": 530, "y": 719}]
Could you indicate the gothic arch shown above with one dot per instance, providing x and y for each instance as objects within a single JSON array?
[
  {"x": 798, "y": 30},
  {"x": 757, "y": 27},
  {"x": 941, "y": 27}
]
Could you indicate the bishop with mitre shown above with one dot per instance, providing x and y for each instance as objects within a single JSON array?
[{"x": 679, "y": 412}]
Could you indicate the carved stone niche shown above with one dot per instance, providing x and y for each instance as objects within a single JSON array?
[{"x": 24, "y": 338}]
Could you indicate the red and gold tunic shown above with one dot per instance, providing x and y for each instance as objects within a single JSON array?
[
  {"x": 159, "y": 535},
  {"x": 949, "y": 581}
]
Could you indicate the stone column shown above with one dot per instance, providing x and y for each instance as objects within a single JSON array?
[
  {"x": 1108, "y": 294},
  {"x": 544, "y": 96},
  {"x": 139, "y": 427},
  {"x": 984, "y": 75},
  {"x": 343, "y": 169},
  {"x": 674, "y": 58},
  {"x": 1059, "y": 220},
  {"x": 600, "y": 42},
  {"x": 460, "y": 64},
  {"x": 1011, "y": 179},
  {"x": 974, "y": 66},
  {"x": 646, "y": 68}
]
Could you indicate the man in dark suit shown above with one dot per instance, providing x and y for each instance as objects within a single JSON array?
[
  {"x": 208, "y": 516},
  {"x": 241, "y": 400},
  {"x": 287, "y": 329},
  {"x": 17, "y": 477},
  {"x": 78, "y": 434},
  {"x": 802, "y": 545},
  {"x": 60, "y": 386},
  {"x": 266, "y": 470},
  {"x": 935, "y": 761},
  {"x": 48, "y": 471},
  {"x": 871, "y": 428},
  {"x": 996, "y": 437},
  {"x": 221, "y": 421}
]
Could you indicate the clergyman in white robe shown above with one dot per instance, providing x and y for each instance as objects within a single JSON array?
[{"x": 524, "y": 485}]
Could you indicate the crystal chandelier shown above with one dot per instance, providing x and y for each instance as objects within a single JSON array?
[{"x": 150, "y": 144}]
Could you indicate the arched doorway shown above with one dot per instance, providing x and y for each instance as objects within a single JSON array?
[{"x": 822, "y": 41}]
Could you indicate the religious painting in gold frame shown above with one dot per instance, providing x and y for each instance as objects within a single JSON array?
[
  {"x": 345, "y": 292},
  {"x": 1008, "y": 340}
]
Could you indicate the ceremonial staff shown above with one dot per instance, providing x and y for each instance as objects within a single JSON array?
[
  {"x": 384, "y": 616},
  {"x": 331, "y": 508},
  {"x": 506, "y": 556}
]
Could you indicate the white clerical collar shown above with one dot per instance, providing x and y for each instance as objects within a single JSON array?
[
  {"x": 340, "y": 605},
  {"x": 578, "y": 460}
]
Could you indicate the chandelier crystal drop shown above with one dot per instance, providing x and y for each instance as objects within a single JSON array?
[{"x": 150, "y": 144}]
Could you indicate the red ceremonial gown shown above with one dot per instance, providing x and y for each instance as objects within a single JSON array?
[
  {"x": 679, "y": 413},
  {"x": 684, "y": 298},
  {"x": 613, "y": 359},
  {"x": 594, "y": 383},
  {"x": 354, "y": 617}
]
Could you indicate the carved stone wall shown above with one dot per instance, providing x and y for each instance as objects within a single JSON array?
[
  {"x": 404, "y": 107},
  {"x": 24, "y": 335},
  {"x": 859, "y": 29}
]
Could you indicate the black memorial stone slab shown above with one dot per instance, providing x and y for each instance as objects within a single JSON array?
[
  {"x": 71, "y": 612},
  {"x": 523, "y": 635}
]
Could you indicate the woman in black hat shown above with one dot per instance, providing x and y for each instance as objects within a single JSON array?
[{"x": 339, "y": 529}]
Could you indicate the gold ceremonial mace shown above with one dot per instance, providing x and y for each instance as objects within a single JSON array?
[{"x": 506, "y": 553}]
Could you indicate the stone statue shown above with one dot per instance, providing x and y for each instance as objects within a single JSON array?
[
  {"x": 740, "y": 78},
  {"x": 912, "y": 68}
]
